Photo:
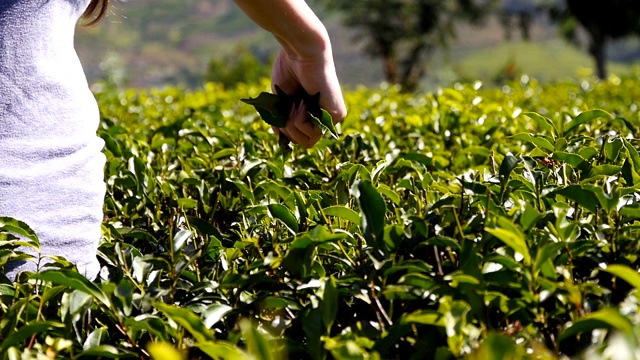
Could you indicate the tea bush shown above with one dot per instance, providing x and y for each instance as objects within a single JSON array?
[{"x": 466, "y": 223}]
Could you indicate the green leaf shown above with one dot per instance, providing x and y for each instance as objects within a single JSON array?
[
  {"x": 602, "y": 319},
  {"x": 586, "y": 117},
  {"x": 372, "y": 207},
  {"x": 180, "y": 239},
  {"x": 329, "y": 304},
  {"x": 609, "y": 202},
  {"x": 390, "y": 194},
  {"x": 625, "y": 273},
  {"x": 629, "y": 212},
  {"x": 513, "y": 238},
  {"x": 95, "y": 338},
  {"x": 633, "y": 155},
  {"x": 584, "y": 197},
  {"x": 543, "y": 121},
  {"x": 20, "y": 228},
  {"x": 497, "y": 347},
  {"x": 325, "y": 122},
  {"x": 421, "y": 281},
  {"x": 106, "y": 352},
  {"x": 588, "y": 152},
  {"x": 506, "y": 167},
  {"x": 222, "y": 351},
  {"x": 7, "y": 290},
  {"x": 424, "y": 317},
  {"x": 604, "y": 170},
  {"x": 302, "y": 209},
  {"x": 244, "y": 189},
  {"x": 224, "y": 153},
  {"x": 257, "y": 344},
  {"x": 313, "y": 329},
  {"x": 25, "y": 332},
  {"x": 547, "y": 253},
  {"x": 204, "y": 227},
  {"x": 75, "y": 281},
  {"x": 282, "y": 213},
  {"x": 186, "y": 203},
  {"x": 628, "y": 174},
  {"x": 574, "y": 160},
  {"x": 214, "y": 313},
  {"x": 540, "y": 141},
  {"x": 187, "y": 319},
  {"x": 530, "y": 217},
  {"x": 273, "y": 108},
  {"x": 343, "y": 212},
  {"x": 151, "y": 324},
  {"x": 322, "y": 234},
  {"x": 612, "y": 149}
]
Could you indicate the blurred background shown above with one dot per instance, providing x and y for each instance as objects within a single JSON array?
[{"x": 419, "y": 44}]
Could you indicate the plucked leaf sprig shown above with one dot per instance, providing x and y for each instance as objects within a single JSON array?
[{"x": 274, "y": 109}]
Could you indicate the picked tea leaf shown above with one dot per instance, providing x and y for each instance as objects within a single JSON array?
[
  {"x": 271, "y": 107},
  {"x": 274, "y": 110},
  {"x": 325, "y": 122}
]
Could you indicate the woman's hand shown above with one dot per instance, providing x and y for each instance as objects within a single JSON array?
[
  {"x": 304, "y": 63},
  {"x": 313, "y": 75}
]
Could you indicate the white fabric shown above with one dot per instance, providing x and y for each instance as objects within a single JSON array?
[{"x": 51, "y": 164}]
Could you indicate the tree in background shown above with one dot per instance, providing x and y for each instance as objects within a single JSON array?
[
  {"x": 241, "y": 66},
  {"x": 402, "y": 33},
  {"x": 602, "y": 20},
  {"x": 523, "y": 11}
]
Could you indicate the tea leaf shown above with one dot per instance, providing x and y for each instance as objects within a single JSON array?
[
  {"x": 372, "y": 207},
  {"x": 585, "y": 197},
  {"x": 282, "y": 213},
  {"x": 574, "y": 160},
  {"x": 74, "y": 281},
  {"x": 586, "y": 117},
  {"x": 343, "y": 212},
  {"x": 602, "y": 319},
  {"x": 542, "y": 121},
  {"x": 222, "y": 351},
  {"x": 625, "y": 273},
  {"x": 26, "y": 332},
  {"x": 273, "y": 108},
  {"x": 325, "y": 122},
  {"x": 20, "y": 228},
  {"x": 188, "y": 320},
  {"x": 538, "y": 140},
  {"x": 329, "y": 304},
  {"x": 257, "y": 343},
  {"x": 513, "y": 238}
]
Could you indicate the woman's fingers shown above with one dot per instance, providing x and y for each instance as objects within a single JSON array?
[{"x": 299, "y": 127}]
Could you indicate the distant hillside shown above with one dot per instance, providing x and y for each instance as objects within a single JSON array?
[
  {"x": 159, "y": 42},
  {"x": 167, "y": 41}
]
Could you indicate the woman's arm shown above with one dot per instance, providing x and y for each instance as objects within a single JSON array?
[
  {"x": 293, "y": 24},
  {"x": 305, "y": 62}
]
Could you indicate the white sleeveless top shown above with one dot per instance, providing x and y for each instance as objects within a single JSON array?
[{"x": 51, "y": 164}]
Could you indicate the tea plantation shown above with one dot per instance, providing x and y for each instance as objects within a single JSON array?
[{"x": 466, "y": 223}]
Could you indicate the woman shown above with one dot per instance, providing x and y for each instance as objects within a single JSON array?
[{"x": 51, "y": 164}]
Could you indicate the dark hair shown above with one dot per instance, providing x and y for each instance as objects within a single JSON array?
[{"x": 96, "y": 10}]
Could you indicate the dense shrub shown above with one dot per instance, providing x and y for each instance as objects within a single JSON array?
[{"x": 489, "y": 223}]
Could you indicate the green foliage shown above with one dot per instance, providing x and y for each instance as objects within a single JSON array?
[
  {"x": 241, "y": 66},
  {"x": 473, "y": 223},
  {"x": 601, "y": 21},
  {"x": 402, "y": 34}
]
